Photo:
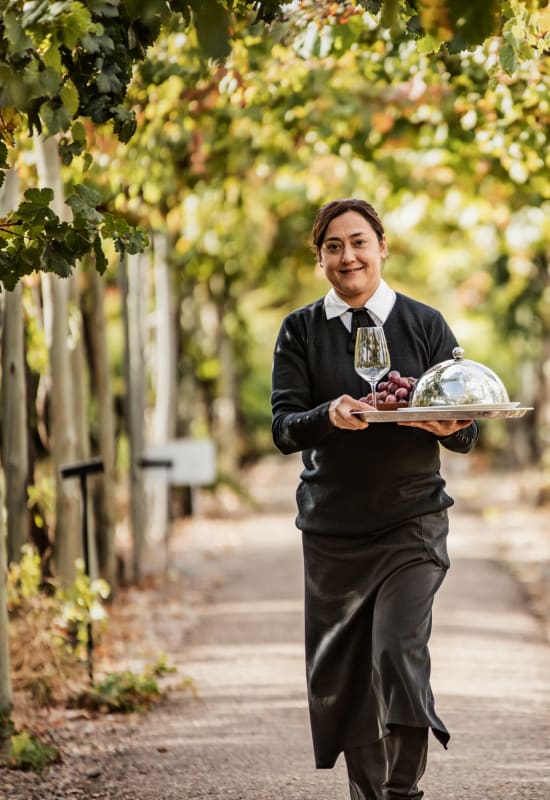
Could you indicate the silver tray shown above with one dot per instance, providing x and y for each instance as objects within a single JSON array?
[{"x": 471, "y": 411}]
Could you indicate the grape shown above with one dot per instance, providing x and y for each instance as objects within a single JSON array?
[{"x": 396, "y": 389}]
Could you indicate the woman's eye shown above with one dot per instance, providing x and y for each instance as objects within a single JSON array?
[{"x": 360, "y": 243}]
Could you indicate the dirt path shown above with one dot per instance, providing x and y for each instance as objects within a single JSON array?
[{"x": 245, "y": 735}]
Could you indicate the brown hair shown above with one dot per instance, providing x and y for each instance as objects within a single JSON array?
[{"x": 335, "y": 208}]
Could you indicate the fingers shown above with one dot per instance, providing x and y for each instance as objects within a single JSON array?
[{"x": 340, "y": 413}]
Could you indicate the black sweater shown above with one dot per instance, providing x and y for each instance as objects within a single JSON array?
[{"x": 358, "y": 482}]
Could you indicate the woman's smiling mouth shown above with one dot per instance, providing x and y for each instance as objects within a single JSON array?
[{"x": 352, "y": 269}]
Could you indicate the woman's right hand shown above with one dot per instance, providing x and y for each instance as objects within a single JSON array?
[{"x": 339, "y": 412}]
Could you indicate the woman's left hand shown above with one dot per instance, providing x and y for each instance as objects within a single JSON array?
[{"x": 440, "y": 428}]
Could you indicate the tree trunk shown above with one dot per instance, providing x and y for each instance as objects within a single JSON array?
[
  {"x": 78, "y": 367},
  {"x": 14, "y": 422},
  {"x": 164, "y": 413},
  {"x": 5, "y": 678},
  {"x": 542, "y": 408},
  {"x": 68, "y": 545},
  {"x": 224, "y": 410},
  {"x": 132, "y": 283},
  {"x": 541, "y": 389},
  {"x": 102, "y": 387},
  {"x": 81, "y": 397}
]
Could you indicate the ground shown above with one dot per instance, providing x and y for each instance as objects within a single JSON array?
[{"x": 228, "y": 614}]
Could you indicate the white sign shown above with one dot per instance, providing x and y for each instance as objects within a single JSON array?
[{"x": 192, "y": 461}]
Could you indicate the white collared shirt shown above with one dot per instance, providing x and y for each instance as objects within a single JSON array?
[{"x": 378, "y": 305}]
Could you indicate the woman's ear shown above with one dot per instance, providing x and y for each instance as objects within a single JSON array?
[
  {"x": 319, "y": 261},
  {"x": 384, "y": 247}
]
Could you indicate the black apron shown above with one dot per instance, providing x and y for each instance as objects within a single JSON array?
[{"x": 368, "y": 615}]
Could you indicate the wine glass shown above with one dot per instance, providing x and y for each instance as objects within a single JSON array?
[{"x": 372, "y": 357}]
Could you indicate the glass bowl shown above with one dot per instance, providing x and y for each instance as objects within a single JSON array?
[{"x": 458, "y": 381}]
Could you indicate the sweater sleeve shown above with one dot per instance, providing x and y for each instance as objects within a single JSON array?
[
  {"x": 297, "y": 424},
  {"x": 462, "y": 441}
]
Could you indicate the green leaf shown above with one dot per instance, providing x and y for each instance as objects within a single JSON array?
[
  {"x": 212, "y": 26},
  {"x": 69, "y": 150},
  {"x": 76, "y": 25},
  {"x": 28, "y": 752},
  {"x": 100, "y": 260},
  {"x": 83, "y": 203},
  {"x": 33, "y": 12},
  {"x": 88, "y": 161},
  {"x": 125, "y": 123},
  {"x": 126, "y": 238},
  {"x": 56, "y": 118},
  {"x": 104, "y": 8},
  {"x": 9, "y": 277},
  {"x": 48, "y": 81},
  {"x": 58, "y": 258},
  {"x": 98, "y": 43},
  {"x": 70, "y": 98},
  {"x": 137, "y": 240},
  {"x": 507, "y": 58},
  {"x": 103, "y": 83},
  {"x": 78, "y": 132},
  {"x": 25, "y": 85},
  {"x": 428, "y": 44},
  {"x": 476, "y": 21},
  {"x": 39, "y": 197},
  {"x": 15, "y": 34},
  {"x": 390, "y": 14},
  {"x": 52, "y": 58}
]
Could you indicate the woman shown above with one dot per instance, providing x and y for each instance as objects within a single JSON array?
[{"x": 372, "y": 509}]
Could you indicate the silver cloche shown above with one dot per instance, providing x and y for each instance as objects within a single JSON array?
[{"x": 458, "y": 381}]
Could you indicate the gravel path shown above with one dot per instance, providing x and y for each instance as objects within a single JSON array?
[{"x": 233, "y": 622}]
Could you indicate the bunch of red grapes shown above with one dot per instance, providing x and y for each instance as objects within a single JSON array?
[{"x": 395, "y": 389}]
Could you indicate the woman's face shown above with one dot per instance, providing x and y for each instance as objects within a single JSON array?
[{"x": 352, "y": 257}]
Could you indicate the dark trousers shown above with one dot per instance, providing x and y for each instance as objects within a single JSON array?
[{"x": 389, "y": 768}]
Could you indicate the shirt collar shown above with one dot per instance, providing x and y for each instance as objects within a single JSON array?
[{"x": 379, "y": 304}]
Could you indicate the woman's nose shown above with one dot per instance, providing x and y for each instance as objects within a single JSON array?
[{"x": 348, "y": 254}]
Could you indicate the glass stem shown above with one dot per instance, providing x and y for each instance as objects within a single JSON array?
[{"x": 373, "y": 390}]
